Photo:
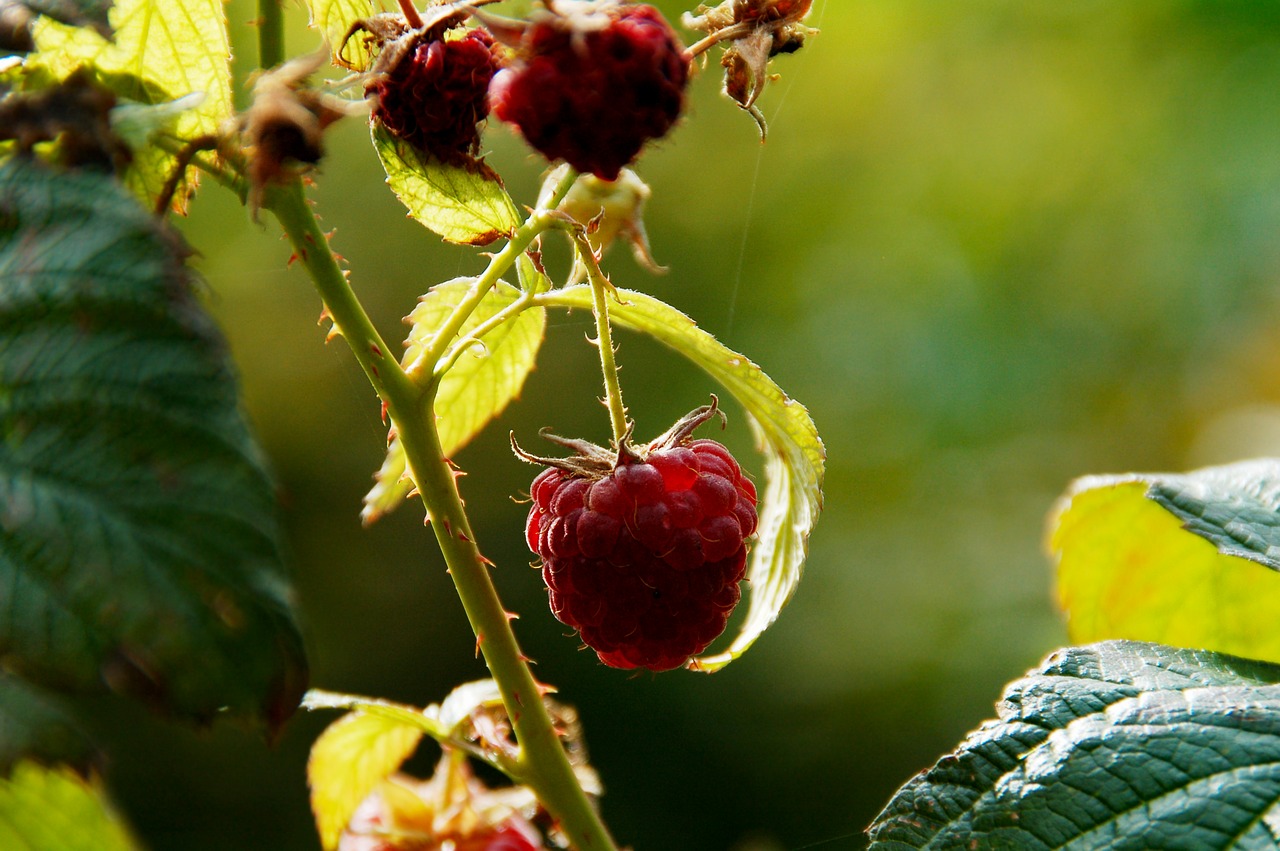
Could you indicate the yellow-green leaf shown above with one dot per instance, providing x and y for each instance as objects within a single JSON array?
[
  {"x": 1188, "y": 560},
  {"x": 55, "y": 809},
  {"x": 487, "y": 375},
  {"x": 794, "y": 456},
  {"x": 333, "y": 18},
  {"x": 351, "y": 757},
  {"x": 466, "y": 206},
  {"x": 162, "y": 50}
]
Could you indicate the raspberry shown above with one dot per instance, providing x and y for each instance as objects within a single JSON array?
[
  {"x": 431, "y": 90},
  {"x": 642, "y": 553},
  {"x": 594, "y": 81}
]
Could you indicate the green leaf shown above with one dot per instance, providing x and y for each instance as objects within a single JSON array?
[
  {"x": 81, "y": 13},
  {"x": 1123, "y": 745},
  {"x": 162, "y": 50},
  {"x": 33, "y": 726},
  {"x": 466, "y": 206},
  {"x": 140, "y": 544},
  {"x": 351, "y": 757},
  {"x": 334, "y": 19},
  {"x": 486, "y": 377},
  {"x": 1189, "y": 560},
  {"x": 795, "y": 459},
  {"x": 55, "y": 809},
  {"x": 363, "y": 748}
]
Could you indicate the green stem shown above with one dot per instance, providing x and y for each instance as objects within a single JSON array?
[
  {"x": 311, "y": 247},
  {"x": 270, "y": 33},
  {"x": 600, "y": 288},
  {"x": 475, "y": 335},
  {"x": 539, "y": 221},
  {"x": 542, "y": 763}
]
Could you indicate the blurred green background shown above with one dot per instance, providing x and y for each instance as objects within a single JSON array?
[{"x": 991, "y": 245}]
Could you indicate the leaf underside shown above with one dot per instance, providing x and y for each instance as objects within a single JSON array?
[
  {"x": 1122, "y": 745},
  {"x": 795, "y": 459},
  {"x": 140, "y": 546},
  {"x": 1189, "y": 560}
]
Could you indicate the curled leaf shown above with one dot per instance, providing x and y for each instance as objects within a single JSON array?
[{"x": 795, "y": 459}]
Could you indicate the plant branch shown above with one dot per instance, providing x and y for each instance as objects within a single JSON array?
[
  {"x": 497, "y": 320},
  {"x": 311, "y": 247},
  {"x": 542, "y": 763},
  {"x": 270, "y": 33},
  {"x": 524, "y": 236}
]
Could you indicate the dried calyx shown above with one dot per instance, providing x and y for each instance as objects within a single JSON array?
[{"x": 756, "y": 31}]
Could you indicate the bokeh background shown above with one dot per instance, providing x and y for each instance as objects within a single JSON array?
[{"x": 991, "y": 245}]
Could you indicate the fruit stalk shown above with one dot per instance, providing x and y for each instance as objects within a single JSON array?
[
  {"x": 542, "y": 763},
  {"x": 600, "y": 287}
]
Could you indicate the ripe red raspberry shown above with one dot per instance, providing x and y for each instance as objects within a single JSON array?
[
  {"x": 594, "y": 81},
  {"x": 643, "y": 551},
  {"x": 431, "y": 89}
]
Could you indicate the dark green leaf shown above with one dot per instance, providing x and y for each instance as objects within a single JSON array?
[
  {"x": 139, "y": 540},
  {"x": 33, "y": 726},
  {"x": 1121, "y": 745}
]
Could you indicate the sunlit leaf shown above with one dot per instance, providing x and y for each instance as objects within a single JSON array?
[
  {"x": 1189, "y": 560},
  {"x": 467, "y": 206},
  {"x": 795, "y": 459},
  {"x": 140, "y": 543},
  {"x": 333, "y": 18},
  {"x": 80, "y": 13},
  {"x": 162, "y": 50},
  {"x": 34, "y": 726},
  {"x": 1123, "y": 745},
  {"x": 485, "y": 378},
  {"x": 55, "y": 809},
  {"x": 351, "y": 757},
  {"x": 360, "y": 750}
]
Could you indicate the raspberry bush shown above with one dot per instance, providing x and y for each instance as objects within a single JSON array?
[{"x": 646, "y": 549}]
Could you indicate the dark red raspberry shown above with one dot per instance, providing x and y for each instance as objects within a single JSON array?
[
  {"x": 431, "y": 90},
  {"x": 594, "y": 80},
  {"x": 644, "y": 557}
]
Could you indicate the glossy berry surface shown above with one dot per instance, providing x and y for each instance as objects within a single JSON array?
[
  {"x": 645, "y": 562},
  {"x": 433, "y": 92},
  {"x": 594, "y": 84}
]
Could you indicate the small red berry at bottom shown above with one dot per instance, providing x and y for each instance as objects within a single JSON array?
[{"x": 645, "y": 562}]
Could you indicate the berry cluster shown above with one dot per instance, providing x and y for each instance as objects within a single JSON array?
[
  {"x": 593, "y": 83},
  {"x": 645, "y": 561}
]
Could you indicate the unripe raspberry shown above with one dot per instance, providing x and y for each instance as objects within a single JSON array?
[
  {"x": 644, "y": 558},
  {"x": 593, "y": 82},
  {"x": 431, "y": 90}
]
